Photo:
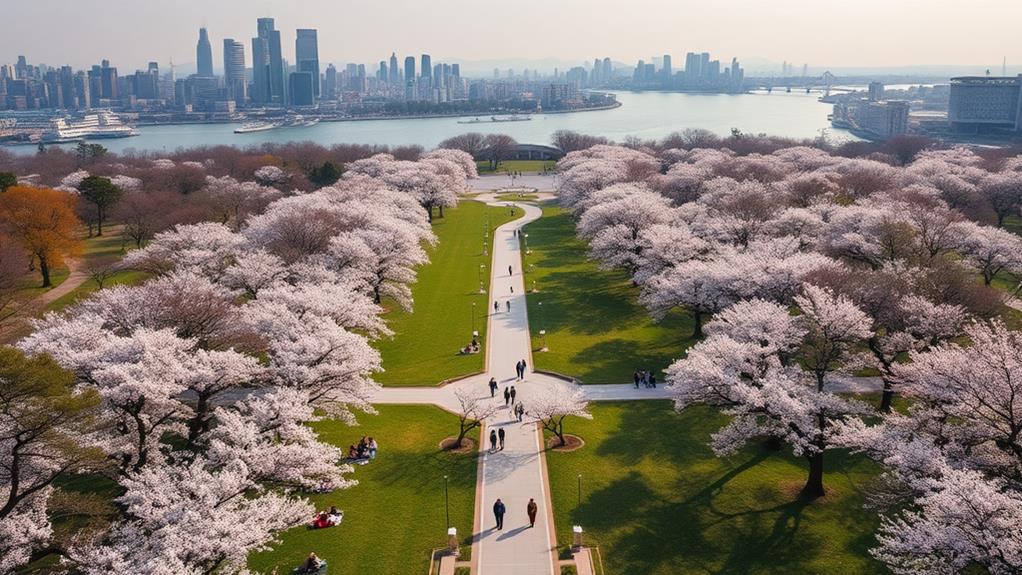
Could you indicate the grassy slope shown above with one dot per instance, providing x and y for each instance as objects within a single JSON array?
[
  {"x": 596, "y": 329},
  {"x": 516, "y": 166},
  {"x": 424, "y": 350},
  {"x": 657, "y": 501},
  {"x": 395, "y": 516}
]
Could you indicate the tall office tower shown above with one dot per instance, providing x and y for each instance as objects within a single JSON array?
[
  {"x": 108, "y": 81},
  {"x": 395, "y": 74},
  {"x": 456, "y": 70},
  {"x": 307, "y": 56},
  {"x": 330, "y": 82},
  {"x": 410, "y": 78},
  {"x": 204, "y": 55},
  {"x": 267, "y": 64},
  {"x": 82, "y": 90},
  {"x": 22, "y": 68},
  {"x": 608, "y": 70},
  {"x": 67, "y": 88},
  {"x": 667, "y": 71},
  {"x": 382, "y": 74},
  {"x": 300, "y": 89},
  {"x": 234, "y": 70},
  {"x": 704, "y": 64},
  {"x": 426, "y": 71}
]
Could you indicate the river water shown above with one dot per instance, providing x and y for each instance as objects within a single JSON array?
[{"x": 642, "y": 114}]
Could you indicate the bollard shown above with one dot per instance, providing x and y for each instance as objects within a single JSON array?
[
  {"x": 452, "y": 542},
  {"x": 576, "y": 540}
]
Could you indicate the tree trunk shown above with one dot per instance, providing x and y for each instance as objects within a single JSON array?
[
  {"x": 441, "y": 210},
  {"x": 697, "y": 331},
  {"x": 887, "y": 397},
  {"x": 429, "y": 213},
  {"x": 99, "y": 221},
  {"x": 814, "y": 485},
  {"x": 44, "y": 269}
]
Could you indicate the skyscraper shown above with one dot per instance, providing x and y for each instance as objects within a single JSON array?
[
  {"x": 394, "y": 72},
  {"x": 234, "y": 70},
  {"x": 330, "y": 82},
  {"x": 307, "y": 56},
  {"x": 410, "y": 78},
  {"x": 204, "y": 55},
  {"x": 267, "y": 64},
  {"x": 426, "y": 69},
  {"x": 667, "y": 71}
]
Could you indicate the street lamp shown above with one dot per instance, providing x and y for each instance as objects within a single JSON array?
[
  {"x": 542, "y": 335},
  {"x": 481, "y": 266},
  {"x": 527, "y": 244},
  {"x": 579, "y": 493},
  {"x": 473, "y": 317},
  {"x": 447, "y": 502}
]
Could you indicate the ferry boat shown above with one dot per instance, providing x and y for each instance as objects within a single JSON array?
[
  {"x": 250, "y": 127},
  {"x": 511, "y": 118},
  {"x": 101, "y": 125}
]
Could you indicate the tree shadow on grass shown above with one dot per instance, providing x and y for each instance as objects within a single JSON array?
[
  {"x": 647, "y": 430},
  {"x": 648, "y": 534}
]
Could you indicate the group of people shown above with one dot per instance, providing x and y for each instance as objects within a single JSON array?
[
  {"x": 645, "y": 377},
  {"x": 499, "y": 509},
  {"x": 327, "y": 518},
  {"x": 520, "y": 369},
  {"x": 472, "y": 347},
  {"x": 495, "y": 436},
  {"x": 365, "y": 450},
  {"x": 509, "y": 396},
  {"x": 496, "y": 306}
]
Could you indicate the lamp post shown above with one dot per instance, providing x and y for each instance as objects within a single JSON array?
[
  {"x": 481, "y": 266},
  {"x": 473, "y": 317},
  {"x": 447, "y": 503},
  {"x": 579, "y": 493},
  {"x": 527, "y": 244}
]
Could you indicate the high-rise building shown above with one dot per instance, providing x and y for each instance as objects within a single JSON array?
[
  {"x": 394, "y": 72},
  {"x": 108, "y": 81},
  {"x": 267, "y": 64},
  {"x": 204, "y": 55},
  {"x": 300, "y": 89},
  {"x": 426, "y": 69},
  {"x": 456, "y": 70},
  {"x": 307, "y": 56},
  {"x": 986, "y": 103},
  {"x": 234, "y": 71},
  {"x": 410, "y": 78},
  {"x": 667, "y": 71},
  {"x": 330, "y": 82},
  {"x": 876, "y": 91}
]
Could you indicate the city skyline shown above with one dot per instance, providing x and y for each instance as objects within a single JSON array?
[{"x": 795, "y": 31}]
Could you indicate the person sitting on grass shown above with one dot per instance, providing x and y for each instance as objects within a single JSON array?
[
  {"x": 373, "y": 447},
  {"x": 311, "y": 565},
  {"x": 352, "y": 452},
  {"x": 334, "y": 516}
]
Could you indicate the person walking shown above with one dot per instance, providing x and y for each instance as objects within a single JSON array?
[
  {"x": 652, "y": 380},
  {"x": 498, "y": 512},
  {"x": 519, "y": 411},
  {"x": 509, "y": 305},
  {"x": 493, "y": 386},
  {"x": 509, "y": 271},
  {"x": 493, "y": 440},
  {"x": 523, "y": 368},
  {"x": 518, "y": 370},
  {"x": 500, "y": 435},
  {"x": 635, "y": 378},
  {"x": 507, "y": 396},
  {"x": 496, "y": 307},
  {"x": 532, "y": 509},
  {"x": 513, "y": 394}
]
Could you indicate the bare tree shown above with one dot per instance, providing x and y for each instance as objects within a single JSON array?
[
  {"x": 569, "y": 141},
  {"x": 101, "y": 274},
  {"x": 471, "y": 143},
  {"x": 498, "y": 147},
  {"x": 474, "y": 410}
]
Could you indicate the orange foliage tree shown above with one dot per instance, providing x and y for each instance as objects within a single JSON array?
[{"x": 44, "y": 223}]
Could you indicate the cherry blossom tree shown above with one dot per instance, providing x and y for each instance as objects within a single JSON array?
[
  {"x": 989, "y": 250},
  {"x": 233, "y": 201},
  {"x": 1003, "y": 193},
  {"x": 613, "y": 227},
  {"x": 553, "y": 404},
  {"x": 746, "y": 367},
  {"x": 472, "y": 412},
  {"x": 957, "y": 456}
]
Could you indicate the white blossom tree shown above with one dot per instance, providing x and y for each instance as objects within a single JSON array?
[{"x": 553, "y": 404}]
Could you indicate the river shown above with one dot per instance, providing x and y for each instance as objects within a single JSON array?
[{"x": 642, "y": 114}]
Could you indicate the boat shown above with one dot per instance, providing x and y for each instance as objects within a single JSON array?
[
  {"x": 511, "y": 118},
  {"x": 249, "y": 127},
  {"x": 101, "y": 125},
  {"x": 310, "y": 123}
]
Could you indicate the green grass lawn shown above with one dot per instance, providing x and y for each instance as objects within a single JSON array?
[
  {"x": 516, "y": 166},
  {"x": 424, "y": 349},
  {"x": 596, "y": 329},
  {"x": 395, "y": 516},
  {"x": 657, "y": 501}
]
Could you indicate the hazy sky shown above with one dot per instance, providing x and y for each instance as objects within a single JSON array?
[{"x": 824, "y": 33}]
